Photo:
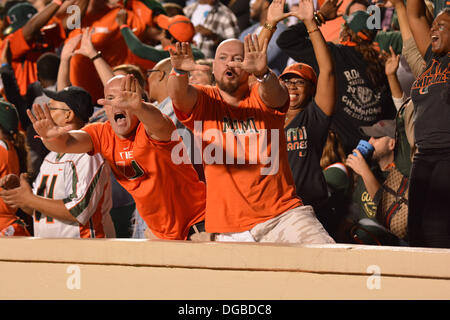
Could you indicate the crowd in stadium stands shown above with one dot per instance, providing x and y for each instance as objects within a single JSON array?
[{"x": 286, "y": 121}]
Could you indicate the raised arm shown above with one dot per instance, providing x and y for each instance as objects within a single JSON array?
[
  {"x": 326, "y": 83},
  {"x": 416, "y": 12},
  {"x": 40, "y": 19},
  {"x": 67, "y": 52},
  {"x": 271, "y": 91},
  {"x": 183, "y": 95},
  {"x": 55, "y": 138},
  {"x": 391, "y": 67},
  {"x": 275, "y": 14},
  {"x": 87, "y": 49}
]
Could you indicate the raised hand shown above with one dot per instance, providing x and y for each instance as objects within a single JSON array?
[
  {"x": 44, "y": 124},
  {"x": 255, "y": 57},
  {"x": 129, "y": 97},
  {"x": 305, "y": 10},
  {"x": 86, "y": 47},
  {"x": 183, "y": 59},
  {"x": 329, "y": 9},
  {"x": 68, "y": 49},
  {"x": 392, "y": 63},
  {"x": 275, "y": 12}
]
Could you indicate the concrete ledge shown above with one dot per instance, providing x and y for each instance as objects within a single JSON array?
[{"x": 126, "y": 269}]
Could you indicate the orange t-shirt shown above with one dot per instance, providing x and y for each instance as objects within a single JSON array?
[
  {"x": 107, "y": 39},
  {"x": 169, "y": 197},
  {"x": 9, "y": 163},
  {"x": 24, "y": 55},
  {"x": 245, "y": 191}
]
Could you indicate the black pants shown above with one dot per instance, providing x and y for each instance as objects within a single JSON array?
[{"x": 429, "y": 199}]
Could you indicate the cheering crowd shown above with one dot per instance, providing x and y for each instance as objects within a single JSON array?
[{"x": 286, "y": 121}]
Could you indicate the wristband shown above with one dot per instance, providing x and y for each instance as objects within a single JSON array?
[
  {"x": 5, "y": 64},
  {"x": 264, "y": 77},
  {"x": 124, "y": 26},
  {"x": 58, "y": 2},
  {"x": 316, "y": 29},
  {"x": 98, "y": 55},
  {"x": 179, "y": 72},
  {"x": 269, "y": 27},
  {"x": 321, "y": 17},
  {"x": 317, "y": 19}
]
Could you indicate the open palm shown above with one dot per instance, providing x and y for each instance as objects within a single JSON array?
[
  {"x": 305, "y": 11},
  {"x": 183, "y": 59},
  {"x": 44, "y": 124},
  {"x": 255, "y": 57}
]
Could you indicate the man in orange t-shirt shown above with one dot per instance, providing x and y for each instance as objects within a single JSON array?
[
  {"x": 250, "y": 189},
  {"x": 136, "y": 142},
  {"x": 30, "y": 35}
]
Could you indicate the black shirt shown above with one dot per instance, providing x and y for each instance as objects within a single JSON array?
[
  {"x": 431, "y": 97},
  {"x": 358, "y": 103},
  {"x": 306, "y": 136}
]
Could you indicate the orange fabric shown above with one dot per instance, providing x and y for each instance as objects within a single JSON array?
[
  {"x": 18, "y": 227},
  {"x": 25, "y": 55},
  {"x": 331, "y": 29},
  {"x": 9, "y": 163},
  {"x": 107, "y": 39},
  {"x": 239, "y": 196},
  {"x": 169, "y": 197}
]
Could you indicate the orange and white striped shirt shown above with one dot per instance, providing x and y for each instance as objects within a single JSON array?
[{"x": 83, "y": 182}]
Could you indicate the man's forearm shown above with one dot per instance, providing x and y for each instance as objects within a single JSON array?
[
  {"x": 156, "y": 124},
  {"x": 272, "y": 92},
  {"x": 371, "y": 183},
  {"x": 39, "y": 20},
  {"x": 182, "y": 94}
]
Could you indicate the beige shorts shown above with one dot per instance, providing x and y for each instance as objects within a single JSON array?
[{"x": 298, "y": 225}]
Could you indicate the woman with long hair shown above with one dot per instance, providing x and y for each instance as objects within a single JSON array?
[
  {"x": 429, "y": 211},
  {"x": 13, "y": 161}
]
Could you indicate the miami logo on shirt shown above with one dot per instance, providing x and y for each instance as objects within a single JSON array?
[
  {"x": 297, "y": 139},
  {"x": 128, "y": 166},
  {"x": 435, "y": 74}
]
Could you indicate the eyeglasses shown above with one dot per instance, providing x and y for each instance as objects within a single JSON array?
[
  {"x": 296, "y": 82},
  {"x": 149, "y": 72},
  {"x": 54, "y": 108}
]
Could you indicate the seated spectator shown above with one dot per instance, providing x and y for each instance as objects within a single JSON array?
[
  {"x": 13, "y": 161},
  {"x": 213, "y": 22},
  {"x": 277, "y": 59},
  {"x": 71, "y": 196},
  {"x": 371, "y": 182}
]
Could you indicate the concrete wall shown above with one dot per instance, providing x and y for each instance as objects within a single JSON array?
[{"x": 34, "y": 268}]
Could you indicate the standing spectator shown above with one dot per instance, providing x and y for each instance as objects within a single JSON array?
[
  {"x": 71, "y": 196},
  {"x": 429, "y": 218},
  {"x": 276, "y": 58},
  {"x": 248, "y": 199},
  {"x": 213, "y": 22},
  {"x": 136, "y": 142},
  {"x": 13, "y": 161},
  {"x": 363, "y": 95},
  {"x": 28, "y": 40},
  {"x": 311, "y": 105}
]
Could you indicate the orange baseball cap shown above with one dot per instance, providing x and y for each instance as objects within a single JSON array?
[
  {"x": 303, "y": 70},
  {"x": 179, "y": 26}
]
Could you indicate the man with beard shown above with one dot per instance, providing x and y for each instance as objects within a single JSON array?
[{"x": 248, "y": 199}]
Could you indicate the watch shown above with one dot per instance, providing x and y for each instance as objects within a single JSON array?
[{"x": 264, "y": 77}]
